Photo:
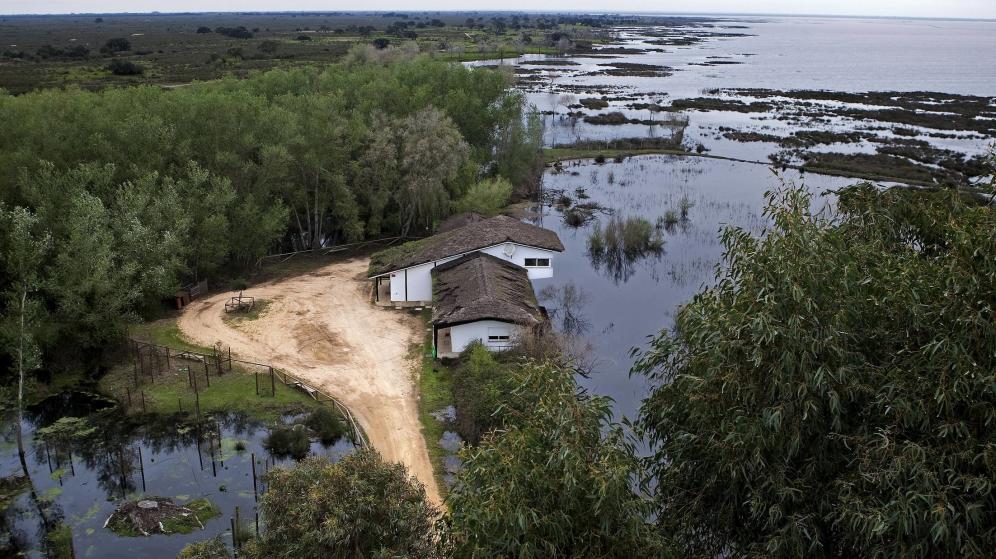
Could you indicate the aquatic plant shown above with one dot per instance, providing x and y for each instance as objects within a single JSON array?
[
  {"x": 288, "y": 440},
  {"x": 326, "y": 424},
  {"x": 621, "y": 242}
]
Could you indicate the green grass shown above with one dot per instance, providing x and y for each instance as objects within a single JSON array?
[
  {"x": 235, "y": 391},
  {"x": 60, "y": 540},
  {"x": 203, "y": 509},
  {"x": 166, "y": 332},
  {"x": 435, "y": 393}
]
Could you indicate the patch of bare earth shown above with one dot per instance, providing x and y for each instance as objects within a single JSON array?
[{"x": 322, "y": 327}]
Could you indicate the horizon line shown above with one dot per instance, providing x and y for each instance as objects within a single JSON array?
[{"x": 499, "y": 11}]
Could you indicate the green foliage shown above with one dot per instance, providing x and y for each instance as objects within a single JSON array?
[
  {"x": 66, "y": 429},
  {"x": 141, "y": 190},
  {"x": 479, "y": 391},
  {"x": 833, "y": 393},
  {"x": 487, "y": 197},
  {"x": 558, "y": 481},
  {"x": 326, "y": 424},
  {"x": 288, "y": 440},
  {"x": 120, "y": 67},
  {"x": 208, "y": 549},
  {"x": 357, "y": 507}
]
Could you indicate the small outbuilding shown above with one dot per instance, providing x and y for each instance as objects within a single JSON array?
[{"x": 479, "y": 297}]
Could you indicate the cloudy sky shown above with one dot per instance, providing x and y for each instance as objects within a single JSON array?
[{"x": 910, "y": 8}]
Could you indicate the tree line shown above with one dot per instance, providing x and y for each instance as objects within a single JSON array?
[
  {"x": 830, "y": 395},
  {"x": 123, "y": 195}
]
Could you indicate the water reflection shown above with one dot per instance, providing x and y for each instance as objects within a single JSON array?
[{"x": 83, "y": 465}]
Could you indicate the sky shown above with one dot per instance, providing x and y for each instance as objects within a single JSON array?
[{"x": 902, "y": 8}]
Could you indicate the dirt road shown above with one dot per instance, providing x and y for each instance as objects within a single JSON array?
[{"x": 322, "y": 327}]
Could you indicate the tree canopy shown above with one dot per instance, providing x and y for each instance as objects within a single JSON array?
[
  {"x": 357, "y": 507},
  {"x": 833, "y": 393},
  {"x": 143, "y": 189}
]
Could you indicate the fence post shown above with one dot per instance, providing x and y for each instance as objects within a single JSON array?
[
  {"x": 254, "y": 493},
  {"x": 256, "y": 374},
  {"x": 169, "y": 366},
  {"x": 144, "y": 410},
  {"x": 273, "y": 384}
]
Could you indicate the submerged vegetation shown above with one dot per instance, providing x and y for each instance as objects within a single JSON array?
[{"x": 621, "y": 243}]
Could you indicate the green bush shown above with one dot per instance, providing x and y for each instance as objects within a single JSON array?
[
  {"x": 120, "y": 67},
  {"x": 480, "y": 383},
  {"x": 208, "y": 549},
  {"x": 288, "y": 440},
  {"x": 327, "y": 425},
  {"x": 487, "y": 197}
]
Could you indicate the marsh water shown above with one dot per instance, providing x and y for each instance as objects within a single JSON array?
[
  {"x": 86, "y": 480},
  {"x": 618, "y": 304}
]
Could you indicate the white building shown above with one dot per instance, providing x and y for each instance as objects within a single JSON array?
[
  {"x": 402, "y": 275},
  {"x": 480, "y": 297}
]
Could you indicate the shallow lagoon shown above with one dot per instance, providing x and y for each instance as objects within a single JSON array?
[
  {"x": 167, "y": 458},
  {"x": 623, "y": 304}
]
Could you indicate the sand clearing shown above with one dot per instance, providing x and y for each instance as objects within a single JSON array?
[{"x": 322, "y": 327}]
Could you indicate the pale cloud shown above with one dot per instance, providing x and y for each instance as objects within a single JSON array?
[{"x": 896, "y": 8}]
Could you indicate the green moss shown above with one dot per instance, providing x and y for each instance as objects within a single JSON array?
[{"x": 388, "y": 259}]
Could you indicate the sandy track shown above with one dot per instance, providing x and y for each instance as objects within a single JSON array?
[{"x": 322, "y": 327}]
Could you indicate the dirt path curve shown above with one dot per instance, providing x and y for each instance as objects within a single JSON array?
[{"x": 322, "y": 327}]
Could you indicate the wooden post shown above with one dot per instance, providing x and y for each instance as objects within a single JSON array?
[
  {"x": 235, "y": 541},
  {"x": 179, "y": 404},
  {"x": 205, "y": 361},
  {"x": 256, "y": 374},
  {"x": 254, "y": 493},
  {"x": 273, "y": 384},
  {"x": 144, "y": 410},
  {"x": 238, "y": 521},
  {"x": 229, "y": 358},
  {"x": 207, "y": 379},
  {"x": 169, "y": 365}
]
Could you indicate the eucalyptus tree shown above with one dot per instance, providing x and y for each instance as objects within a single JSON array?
[
  {"x": 559, "y": 479},
  {"x": 833, "y": 393},
  {"x": 357, "y": 507}
]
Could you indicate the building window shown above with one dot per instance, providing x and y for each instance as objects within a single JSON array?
[
  {"x": 498, "y": 335},
  {"x": 537, "y": 262}
]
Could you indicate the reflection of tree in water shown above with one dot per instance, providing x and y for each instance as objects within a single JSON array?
[
  {"x": 616, "y": 248},
  {"x": 565, "y": 303}
]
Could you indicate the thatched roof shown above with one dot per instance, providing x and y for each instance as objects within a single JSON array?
[
  {"x": 470, "y": 237},
  {"x": 457, "y": 221},
  {"x": 479, "y": 286}
]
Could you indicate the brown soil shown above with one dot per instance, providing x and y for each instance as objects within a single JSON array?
[{"x": 322, "y": 327}]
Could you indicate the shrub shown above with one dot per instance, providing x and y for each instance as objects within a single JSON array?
[
  {"x": 204, "y": 29},
  {"x": 480, "y": 384},
  {"x": 288, "y": 440},
  {"x": 357, "y": 507},
  {"x": 600, "y": 159},
  {"x": 208, "y": 549},
  {"x": 487, "y": 197},
  {"x": 239, "y": 32},
  {"x": 120, "y": 67},
  {"x": 326, "y": 424},
  {"x": 381, "y": 42},
  {"x": 118, "y": 44}
]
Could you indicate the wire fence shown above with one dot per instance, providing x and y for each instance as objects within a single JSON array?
[{"x": 154, "y": 363}]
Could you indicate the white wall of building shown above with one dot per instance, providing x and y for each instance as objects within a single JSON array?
[
  {"x": 415, "y": 283},
  {"x": 463, "y": 335}
]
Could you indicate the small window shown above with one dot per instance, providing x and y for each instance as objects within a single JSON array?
[
  {"x": 537, "y": 262},
  {"x": 498, "y": 335}
]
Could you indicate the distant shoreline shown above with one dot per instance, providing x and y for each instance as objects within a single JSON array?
[{"x": 530, "y": 12}]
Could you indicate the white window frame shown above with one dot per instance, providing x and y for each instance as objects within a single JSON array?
[
  {"x": 536, "y": 263},
  {"x": 499, "y": 335}
]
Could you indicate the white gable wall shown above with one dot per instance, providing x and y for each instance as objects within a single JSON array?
[
  {"x": 463, "y": 335},
  {"x": 414, "y": 284}
]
